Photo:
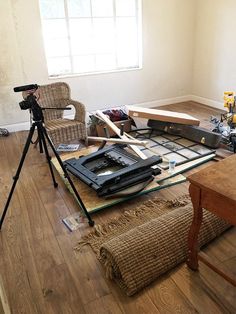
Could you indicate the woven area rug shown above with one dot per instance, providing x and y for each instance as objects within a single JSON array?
[{"x": 146, "y": 242}]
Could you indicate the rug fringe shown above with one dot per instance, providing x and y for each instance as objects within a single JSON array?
[{"x": 178, "y": 202}]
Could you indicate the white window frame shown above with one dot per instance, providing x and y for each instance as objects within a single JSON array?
[{"x": 138, "y": 66}]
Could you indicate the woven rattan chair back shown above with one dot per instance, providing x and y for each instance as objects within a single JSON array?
[
  {"x": 62, "y": 129},
  {"x": 54, "y": 95}
]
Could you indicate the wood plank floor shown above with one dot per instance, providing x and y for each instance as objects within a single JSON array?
[{"x": 41, "y": 274}]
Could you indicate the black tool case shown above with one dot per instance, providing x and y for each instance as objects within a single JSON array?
[{"x": 194, "y": 133}]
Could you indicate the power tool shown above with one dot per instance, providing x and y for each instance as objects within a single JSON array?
[{"x": 228, "y": 131}]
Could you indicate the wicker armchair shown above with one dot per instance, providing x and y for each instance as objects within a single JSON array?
[{"x": 62, "y": 130}]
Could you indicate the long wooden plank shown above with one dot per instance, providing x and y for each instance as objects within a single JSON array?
[
  {"x": 162, "y": 115},
  {"x": 167, "y": 298},
  {"x": 192, "y": 286},
  {"x": 4, "y": 305},
  {"x": 117, "y": 140},
  {"x": 117, "y": 131},
  {"x": 105, "y": 304}
]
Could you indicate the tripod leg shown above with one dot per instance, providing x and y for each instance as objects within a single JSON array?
[
  {"x": 16, "y": 177},
  {"x": 48, "y": 157},
  {"x": 90, "y": 221},
  {"x": 39, "y": 139}
]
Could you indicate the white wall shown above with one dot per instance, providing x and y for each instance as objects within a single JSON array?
[
  {"x": 168, "y": 26},
  {"x": 215, "y": 49}
]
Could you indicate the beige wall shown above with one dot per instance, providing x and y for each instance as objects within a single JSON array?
[
  {"x": 215, "y": 49},
  {"x": 168, "y": 26}
]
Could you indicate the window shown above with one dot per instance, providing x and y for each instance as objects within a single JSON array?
[{"x": 87, "y": 36}]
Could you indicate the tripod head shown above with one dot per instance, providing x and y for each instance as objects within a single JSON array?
[{"x": 31, "y": 103}]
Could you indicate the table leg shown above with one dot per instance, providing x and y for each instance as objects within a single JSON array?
[{"x": 195, "y": 193}]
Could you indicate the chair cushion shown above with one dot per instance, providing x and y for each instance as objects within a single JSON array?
[{"x": 65, "y": 130}]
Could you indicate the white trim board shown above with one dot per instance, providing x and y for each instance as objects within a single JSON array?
[
  {"x": 207, "y": 102},
  {"x": 175, "y": 100},
  {"x": 162, "y": 102},
  {"x": 21, "y": 126},
  {"x": 149, "y": 104}
]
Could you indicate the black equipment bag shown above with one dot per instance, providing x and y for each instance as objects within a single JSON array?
[{"x": 194, "y": 133}]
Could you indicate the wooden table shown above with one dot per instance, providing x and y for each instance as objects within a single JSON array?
[{"x": 214, "y": 189}]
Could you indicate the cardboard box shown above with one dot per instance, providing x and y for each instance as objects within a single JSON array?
[{"x": 101, "y": 132}]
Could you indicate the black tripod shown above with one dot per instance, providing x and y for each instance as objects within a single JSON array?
[{"x": 43, "y": 139}]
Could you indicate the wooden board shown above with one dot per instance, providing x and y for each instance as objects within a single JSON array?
[
  {"x": 4, "y": 305},
  {"x": 117, "y": 140},
  {"x": 94, "y": 203},
  {"x": 162, "y": 115},
  {"x": 117, "y": 131}
]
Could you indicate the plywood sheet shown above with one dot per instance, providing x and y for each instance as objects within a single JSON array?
[
  {"x": 94, "y": 203},
  {"x": 89, "y": 196},
  {"x": 162, "y": 115},
  {"x": 187, "y": 166}
]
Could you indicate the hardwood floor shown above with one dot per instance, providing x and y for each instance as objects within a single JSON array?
[{"x": 40, "y": 272}]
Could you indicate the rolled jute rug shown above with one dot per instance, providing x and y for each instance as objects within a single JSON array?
[{"x": 144, "y": 243}]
